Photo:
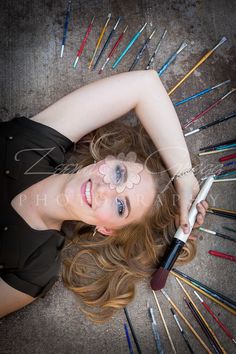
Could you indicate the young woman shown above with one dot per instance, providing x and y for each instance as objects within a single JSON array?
[{"x": 129, "y": 198}]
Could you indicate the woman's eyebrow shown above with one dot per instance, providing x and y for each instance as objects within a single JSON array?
[{"x": 128, "y": 206}]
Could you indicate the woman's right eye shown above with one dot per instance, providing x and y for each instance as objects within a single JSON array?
[{"x": 118, "y": 174}]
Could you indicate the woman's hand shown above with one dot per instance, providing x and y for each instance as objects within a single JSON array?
[{"x": 187, "y": 188}]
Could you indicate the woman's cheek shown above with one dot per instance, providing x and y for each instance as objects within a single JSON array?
[{"x": 105, "y": 215}]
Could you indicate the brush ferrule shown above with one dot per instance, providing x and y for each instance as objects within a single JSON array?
[{"x": 173, "y": 252}]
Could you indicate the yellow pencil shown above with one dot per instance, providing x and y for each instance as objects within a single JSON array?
[{"x": 99, "y": 40}]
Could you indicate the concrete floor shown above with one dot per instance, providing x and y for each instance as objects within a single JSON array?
[{"x": 33, "y": 76}]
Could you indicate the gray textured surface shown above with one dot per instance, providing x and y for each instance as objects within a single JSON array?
[{"x": 33, "y": 76}]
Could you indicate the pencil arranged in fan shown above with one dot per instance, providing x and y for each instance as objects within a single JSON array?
[
  {"x": 65, "y": 27},
  {"x": 216, "y": 103},
  {"x": 203, "y": 321},
  {"x": 223, "y": 327},
  {"x": 201, "y": 61},
  {"x": 186, "y": 322},
  {"x": 228, "y": 157},
  {"x": 171, "y": 59},
  {"x": 113, "y": 50},
  {"x": 133, "y": 40},
  {"x": 217, "y": 297},
  {"x": 218, "y": 121},
  {"x": 164, "y": 323},
  {"x": 226, "y": 173},
  {"x": 141, "y": 51},
  {"x": 204, "y": 328},
  {"x": 229, "y": 229},
  {"x": 81, "y": 48},
  {"x": 226, "y": 237},
  {"x": 229, "y": 163},
  {"x": 156, "y": 50},
  {"x": 222, "y": 212},
  {"x": 217, "y": 151},
  {"x": 132, "y": 331},
  {"x": 128, "y": 339},
  {"x": 225, "y": 180},
  {"x": 222, "y": 255},
  {"x": 181, "y": 331},
  {"x": 223, "y": 143},
  {"x": 209, "y": 89},
  {"x": 155, "y": 330},
  {"x": 99, "y": 40},
  {"x": 111, "y": 34}
]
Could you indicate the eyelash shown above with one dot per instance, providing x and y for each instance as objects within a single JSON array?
[
  {"x": 120, "y": 203},
  {"x": 118, "y": 173},
  {"x": 118, "y": 177}
]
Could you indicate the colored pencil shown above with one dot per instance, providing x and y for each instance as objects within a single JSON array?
[
  {"x": 132, "y": 331},
  {"x": 155, "y": 330},
  {"x": 156, "y": 50},
  {"x": 216, "y": 103},
  {"x": 186, "y": 322},
  {"x": 225, "y": 180},
  {"x": 223, "y": 143},
  {"x": 223, "y": 327},
  {"x": 209, "y": 89},
  {"x": 65, "y": 27},
  {"x": 113, "y": 50},
  {"x": 141, "y": 51},
  {"x": 171, "y": 59},
  {"x": 226, "y": 237},
  {"x": 203, "y": 321},
  {"x": 218, "y": 121},
  {"x": 217, "y": 151},
  {"x": 111, "y": 34},
  {"x": 229, "y": 229},
  {"x": 222, "y": 255},
  {"x": 182, "y": 331},
  {"x": 81, "y": 48},
  {"x": 201, "y": 61},
  {"x": 219, "y": 298},
  {"x": 133, "y": 40},
  {"x": 228, "y": 157},
  {"x": 99, "y": 40},
  {"x": 128, "y": 339},
  {"x": 164, "y": 323},
  {"x": 204, "y": 328}
]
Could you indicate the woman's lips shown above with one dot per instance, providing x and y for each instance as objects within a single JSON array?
[{"x": 83, "y": 194}]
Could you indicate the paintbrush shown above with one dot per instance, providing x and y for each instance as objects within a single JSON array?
[
  {"x": 218, "y": 121},
  {"x": 204, "y": 58},
  {"x": 209, "y": 89},
  {"x": 155, "y": 330},
  {"x": 216, "y": 103},
  {"x": 80, "y": 51},
  {"x": 222, "y": 255},
  {"x": 204, "y": 328},
  {"x": 133, "y": 40},
  {"x": 156, "y": 50},
  {"x": 217, "y": 234},
  {"x": 228, "y": 157},
  {"x": 113, "y": 50},
  {"x": 217, "y": 150},
  {"x": 172, "y": 58},
  {"x": 181, "y": 331},
  {"x": 223, "y": 327},
  {"x": 229, "y": 229},
  {"x": 111, "y": 34},
  {"x": 225, "y": 180},
  {"x": 186, "y": 322},
  {"x": 223, "y": 143},
  {"x": 160, "y": 276},
  {"x": 99, "y": 40},
  {"x": 222, "y": 212},
  {"x": 65, "y": 27},
  {"x": 226, "y": 173},
  {"x": 128, "y": 339},
  {"x": 221, "y": 299},
  {"x": 141, "y": 51},
  {"x": 132, "y": 331},
  {"x": 203, "y": 321}
]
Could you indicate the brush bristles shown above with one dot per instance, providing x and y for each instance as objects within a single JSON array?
[{"x": 159, "y": 278}]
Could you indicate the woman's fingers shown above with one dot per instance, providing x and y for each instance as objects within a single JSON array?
[{"x": 201, "y": 207}]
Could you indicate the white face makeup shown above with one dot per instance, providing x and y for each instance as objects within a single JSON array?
[{"x": 110, "y": 193}]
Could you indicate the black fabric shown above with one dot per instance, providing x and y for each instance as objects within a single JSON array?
[{"x": 29, "y": 152}]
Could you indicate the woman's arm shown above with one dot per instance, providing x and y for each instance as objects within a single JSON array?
[{"x": 11, "y": 299}]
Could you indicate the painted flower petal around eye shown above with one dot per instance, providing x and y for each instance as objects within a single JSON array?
[{"x": 121, "y": 188}]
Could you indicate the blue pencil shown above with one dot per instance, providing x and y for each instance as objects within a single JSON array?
[
  {"x": 65, "y": 27},
  {"x": 128, "y": 339},
  {"x": 129, "y": 46},
  {"x": 171, "y": 59},
  {"x": 201, "y": 93}
]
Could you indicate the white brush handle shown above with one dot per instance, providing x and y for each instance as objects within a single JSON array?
[{"x": 180, "y": 235}]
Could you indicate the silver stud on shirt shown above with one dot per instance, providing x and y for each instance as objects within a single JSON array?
[
  {"x": 7, "y": 172},
  {"x": 10, "y": 137},
  {"x": 5, "y": 228}
]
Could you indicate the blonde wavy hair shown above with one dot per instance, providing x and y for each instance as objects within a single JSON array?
[{"x": 102, "y": 270}]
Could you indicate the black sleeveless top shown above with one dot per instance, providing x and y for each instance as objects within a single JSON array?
[{"x": 29, "y": 152}]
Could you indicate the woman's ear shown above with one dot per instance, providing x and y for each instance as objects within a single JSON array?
[{"x": 104, "y": 230}]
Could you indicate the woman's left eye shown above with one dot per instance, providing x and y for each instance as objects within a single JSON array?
[
  {"x": 118, "y": 174},
  {"x": 120, "y": 207}
]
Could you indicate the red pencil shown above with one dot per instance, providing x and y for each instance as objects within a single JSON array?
[
  {"x": 207, "y": 307},
  {"x": 228, "y": 157},
  {"x": 222, "y": 255}
]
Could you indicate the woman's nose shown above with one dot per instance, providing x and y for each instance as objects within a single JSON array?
[{"x": 103, "y": 191}]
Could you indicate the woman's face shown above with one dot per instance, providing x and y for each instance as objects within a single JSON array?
[{"x": 111, "y": 193}]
